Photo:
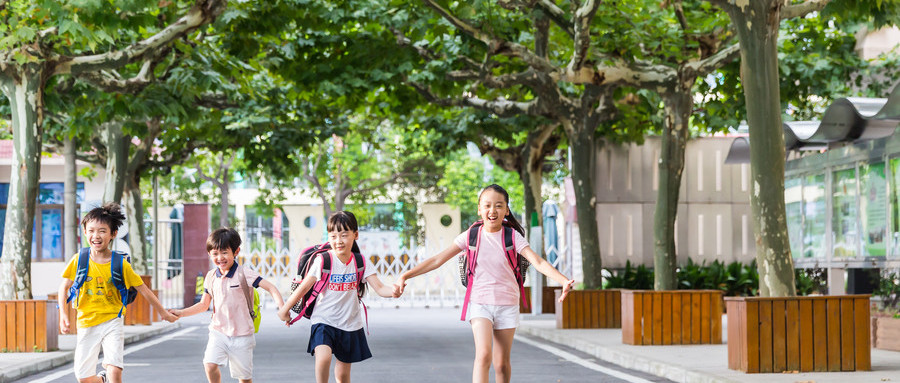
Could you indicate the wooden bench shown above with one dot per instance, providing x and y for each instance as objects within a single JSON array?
[
  {"x": 816, "y": 333},
  {"x": 29, "y": 326},
  {"x": 589, "y": 309},
  {"x": 671, "y": 317}
]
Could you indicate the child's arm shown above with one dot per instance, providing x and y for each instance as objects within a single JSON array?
[
  {"x": 61, "y": 297},
  {"x": 284, "y": 313},
  {"x": 547, "y": 269},
  {"x": 379, "y": 287},
  {"x": 197, "y": 308},
  {"x": 273, "y": 291},
  {"x": 148, "y": 295},
  {"x": 425, "y": 266}
]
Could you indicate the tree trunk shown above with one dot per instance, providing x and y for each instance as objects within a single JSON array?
[
  {"x": 223, "y": 199},
  {"x": 70, "y": 209},
  {"x": 581, "y": 139},
  {"x": 137, "y": 237},
  {"x": 757, "y": 26},
  {"x": 25, "y": 92},
  {"x": 117, "y": 146},
  {"x": 678, "y": 107}
]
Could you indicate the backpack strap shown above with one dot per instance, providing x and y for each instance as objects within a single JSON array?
[
  {"x": 474, "y": 234},
  {"x": 509, "y": 241},
  {"x": 81, "y": 272},
  {"x": 247, "y": 292},
  {"x": 117, "y": 268},
  {"x": 319, "y": 286},
  {"x": 360, "y": 272}
]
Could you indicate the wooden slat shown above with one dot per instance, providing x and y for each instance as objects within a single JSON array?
[
  {"x": 30, "y": 326},
  {"x": 848, "y": 343},
  {"x": 779, "y": 333},
  {"x": 734, "y": 345},
  {"x": 599, "y": 313},
  {"x": 647, "y": 319},
  {"x": 676, "y": 319},
  {"x": 833, "y": 307},
  {"x": 765, "y": 336},
  {"x": 716, "y": 305},
  {"x": 20, "y": 326},
  {"x": 578, "y": 311},
  {"x": 656, "y": 323},
  {"x": 695, "y": 318},
  {"x": 806, "y": 334},
  {"x": 792, "y": 335},
  {"x": 627, "y": 318},
  {"x": 4, "y": 309},
  {"x": 617, "y": 308},
  {"x": 569, "y": 305},
  {"x": 862, "y": 346},
  {"x": 40, "y": 331},
  {"x": 752, "y": 336},
  {"x": 820, "y": 341},
  {"x": 705, "y": 319},
  {"x": 667, "y": 318}
]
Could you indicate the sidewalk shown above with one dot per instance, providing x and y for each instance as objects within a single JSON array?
[
  {"x": 692, "y": 363},
  {"x": 18, "y": 365}
]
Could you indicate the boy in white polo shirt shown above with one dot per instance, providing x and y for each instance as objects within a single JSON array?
[{"x": 231, "y": 329}]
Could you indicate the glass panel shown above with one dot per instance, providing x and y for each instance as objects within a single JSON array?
[
  {"x": 895, "y": 207},
  {"x": 2, "y": 227},
  {"x": 4, "y": 193},
  {"x": 51, "y": 193},
  {"x": 846, "y": 214},
  {"x": 873, "y": 208},
  {"x": 794, "y": 206},
  {"x": 51, "y": 234},
  {"x": 814, "y": 216}
]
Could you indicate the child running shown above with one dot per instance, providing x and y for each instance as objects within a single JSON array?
[
  {"x": 99, "y": 299},
  {"x": 231, "y": 329},
  {"x": 337, "y": 323},
  {"x": 493, "y": 291}
]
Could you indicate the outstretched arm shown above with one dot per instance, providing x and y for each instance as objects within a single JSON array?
[
  {"x": 380, "y": 288},
  {"x": 154, "y": 301},
  {"x": 547, "y": 269},
  {"x": 197, "y": 308},
  {"x": 425, "y": 266},
  {"x": 273, "y": 291}
]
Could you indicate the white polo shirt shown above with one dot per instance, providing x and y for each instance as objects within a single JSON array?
[{"x": 231, "y": 316}]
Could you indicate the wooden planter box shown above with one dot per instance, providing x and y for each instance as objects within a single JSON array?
[
  {"x": 671, "y": 317},
  {"x": 548, "y": 306},
  {"x": 589, "y": 309},
  {"x": 886, "y": 333},
  {"x": 29, "y": 326},
  {"x": 818, "y": 333},
  {"x": 73, "y": 315},
  {"x": 140, "y": 311}
]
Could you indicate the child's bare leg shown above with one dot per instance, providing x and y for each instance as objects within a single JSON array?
[
  {"x": 212, "y": 372},
  {"x": 323, "y": 363},
  {"x": 113, "y": 374},
  {"x": 503, "y": 340},
  {"x": 92, "y": 379},
  {"x": 245, "y": 380},
  {"x": 482, "y": 330},
  {"x": 342, "y": 372}
]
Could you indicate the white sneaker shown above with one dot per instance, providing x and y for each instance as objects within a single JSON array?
[{"x": 102, "y": 375}]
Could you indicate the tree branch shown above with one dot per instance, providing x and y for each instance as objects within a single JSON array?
[
  {"x": 113, "y": 83},
  {"x": 202, "y": 12},
  {"x": 802, "y": 9},
  {"x": 502, "y": 108},
  {"x": 716, "y": 61},
  {"x": 557, "y": 15},
  {"x": 679, "y": 13},
  {"x": 583, "y": 18}
]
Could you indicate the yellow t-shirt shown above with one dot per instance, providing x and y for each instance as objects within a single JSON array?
[{"x": 99, "y": 300}]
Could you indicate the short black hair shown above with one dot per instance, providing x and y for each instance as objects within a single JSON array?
[
  {"x": 109, "y": 214},
  {"x": 223, "y": 238},
  {"x": 342, "y": 221}
]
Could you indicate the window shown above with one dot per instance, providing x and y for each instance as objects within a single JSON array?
[
  {"x": 47, "y": 233},
  {"x": 845, "y": 213},
  {"x": 873, "y": 208},
  {"x": 814, "y": 216},
  {"x": 793, "y": 198}
]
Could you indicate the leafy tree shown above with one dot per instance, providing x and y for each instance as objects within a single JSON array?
[{"x": 41, "y": 40}]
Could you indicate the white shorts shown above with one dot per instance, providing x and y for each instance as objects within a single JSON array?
[
  {"x": 237, "y": 351},
  {"x": 110, "y": 336},
  {"x": 502, "y": 317}
]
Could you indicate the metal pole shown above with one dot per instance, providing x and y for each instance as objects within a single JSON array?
[{"x": 155, "y": 232}]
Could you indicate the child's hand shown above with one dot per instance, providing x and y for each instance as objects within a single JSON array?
[
  {"x": 169, "y": 317},
  {"x": 399, "y": 285},
  {"x": 175, "y": 312},
  {"x": 283, "y": 313},
  {"x": 64, "y": 323},
  {"x": 566, "y": 288}
]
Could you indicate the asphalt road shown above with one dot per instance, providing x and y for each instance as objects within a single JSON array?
[{"x": 408, "y": 345}]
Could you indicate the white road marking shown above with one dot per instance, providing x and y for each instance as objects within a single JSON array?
[
  {"x": 128, "y": 350},
  {"x": 582, "y": 362}
]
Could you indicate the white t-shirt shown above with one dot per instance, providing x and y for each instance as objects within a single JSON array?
[
  {"x": 338, "y": 305},
  {"x": 494, "y": 281}
]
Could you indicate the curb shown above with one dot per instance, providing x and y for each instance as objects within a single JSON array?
[
  {"x": 624, "y": 359},
  {"x": 65, "y": 357}
]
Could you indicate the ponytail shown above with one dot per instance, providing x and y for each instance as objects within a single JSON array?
[{"x": 510, "y": 218}]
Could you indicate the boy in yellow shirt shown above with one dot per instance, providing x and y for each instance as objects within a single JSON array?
[{"x": 99, "y": 300}]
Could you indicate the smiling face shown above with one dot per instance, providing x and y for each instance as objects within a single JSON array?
[
  {"x": 223, "y": 258},
  {"x": 492, "y": 208},
  {"x": 98, "y": 235},
  {"x": 341, "y": 241}
]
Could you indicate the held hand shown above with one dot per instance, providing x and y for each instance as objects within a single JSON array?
[
  {"x": 399, "y": 285},
  {"x": 175, "y": 312},
  {"x": 64, "y": 323},
  {"x": 169, "y": 317},
  {"x": 566, "y": 288},
  {"x": 283, "y": 313}
]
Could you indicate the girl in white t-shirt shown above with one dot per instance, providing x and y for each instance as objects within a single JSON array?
[
  {"x": 493, "y": 305},
  {"x": 337, "y": 323}
]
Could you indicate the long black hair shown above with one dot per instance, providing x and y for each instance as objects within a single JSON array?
[{"x": 510, "y": 218}]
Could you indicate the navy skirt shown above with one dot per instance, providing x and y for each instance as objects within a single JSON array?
[{"x": 346, "y": 346}]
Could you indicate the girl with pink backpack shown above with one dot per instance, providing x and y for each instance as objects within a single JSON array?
[{"x": 494, "y": 278}]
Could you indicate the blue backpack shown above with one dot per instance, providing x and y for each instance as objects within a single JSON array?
[{"x": 117, "y": 268}]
